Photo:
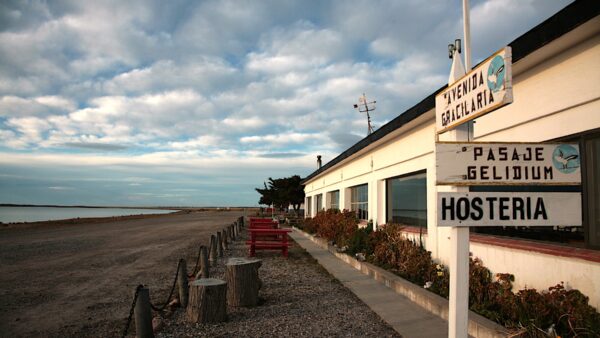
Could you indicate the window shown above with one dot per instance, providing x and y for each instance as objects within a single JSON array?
[
  {"x": 359, "y": 201},
  {"x": 319, "y": 202},
  {"x": 334, "y": 199},
  {"x": 591, "y": 188},
  {"x": 407, "y": 199},
  {"x": 587, "y": 235},
  {"x": 308, "y": 207}
]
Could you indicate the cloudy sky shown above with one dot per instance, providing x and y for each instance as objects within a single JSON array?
[{"x": 198, "y": 102}]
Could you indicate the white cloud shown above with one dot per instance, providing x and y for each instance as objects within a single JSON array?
[
  {"x": 213, "y": 86},
  {"x": 36, "y": 106},
  {"x": 286, "y": 138}
]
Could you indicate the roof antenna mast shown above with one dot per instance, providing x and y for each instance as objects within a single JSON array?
[{"x": 364, "y": 106}]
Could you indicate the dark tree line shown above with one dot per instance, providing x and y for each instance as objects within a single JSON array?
[{"x": 282, "y": 192}]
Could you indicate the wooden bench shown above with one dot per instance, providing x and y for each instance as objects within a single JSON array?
[
  {"x": 262, "y": 223},
  {"x": 268, "y": 239}
]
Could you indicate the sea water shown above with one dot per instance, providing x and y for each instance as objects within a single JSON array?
[{"x": 13, "y": 214}]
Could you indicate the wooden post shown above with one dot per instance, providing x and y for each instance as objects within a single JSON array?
[
  {"x": 219, "y": 244},
  {"x": 242, "y": 281},
  {"x": 212, "y": 255},
  {"x": 232, "y": 232},
  {"x": 204, "y": 266},
  {"x": 182, "y": 283},
  {"x": 208, "y": 301},
  {"x": 224, "y": 239},
  {"x": 143, "y": 315}
]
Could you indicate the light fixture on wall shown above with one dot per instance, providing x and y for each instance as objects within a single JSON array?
[{"x": 454, "y": 47}]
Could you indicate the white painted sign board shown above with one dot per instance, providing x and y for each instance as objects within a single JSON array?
[
  {"x": 485, "y": 88},
  {"x": 508, "y": 209},
  {"x": 459, "y": 163}
]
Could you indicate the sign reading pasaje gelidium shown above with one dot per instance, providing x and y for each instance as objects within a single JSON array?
[
  {"x": 508, "y": 209},
  {"x": 485, "y": 88},
  {"x": 507, "y": 163}
]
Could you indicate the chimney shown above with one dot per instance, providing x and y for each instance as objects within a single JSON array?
[{"x": 318, "y": 161}]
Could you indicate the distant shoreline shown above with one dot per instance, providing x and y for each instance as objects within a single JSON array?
[{"x": 110, "y": 219}]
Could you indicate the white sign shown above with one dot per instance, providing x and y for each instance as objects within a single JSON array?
[
  {"x": 507, "y": 164},
  {"x": 483, "y": 89},
  {"x": 508, "y": 209}
]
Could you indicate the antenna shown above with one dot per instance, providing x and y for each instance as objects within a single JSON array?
[{"x": 364, "y": 106}]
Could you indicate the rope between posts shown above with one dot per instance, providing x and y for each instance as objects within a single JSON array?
[
  {"x": 162, "y": 307},
  {"x": 131, "y": 310},
  {"x": 197, "y": 267}
]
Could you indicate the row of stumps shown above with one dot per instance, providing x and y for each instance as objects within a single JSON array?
[{"x": 205, "y": 299}]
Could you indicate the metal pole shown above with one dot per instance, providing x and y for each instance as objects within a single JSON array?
[
  {"x": 458, "y": 317},
  {"x": 467, "y": 35}
]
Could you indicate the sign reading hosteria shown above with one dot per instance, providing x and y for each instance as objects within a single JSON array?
[
  {"x": 507, "y": 164},
  {"x": 508, "y": 209},
  {"x": 485, "y": 88}
]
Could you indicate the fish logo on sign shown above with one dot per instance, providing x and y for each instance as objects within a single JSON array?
[
  {"x": 495, "y": 74},
  {"x": 565, "y": 158}
]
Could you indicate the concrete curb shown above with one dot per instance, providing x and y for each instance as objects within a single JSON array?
[{"x": 479, "y": 326}]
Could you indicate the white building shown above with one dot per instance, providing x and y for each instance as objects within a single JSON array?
[{"x": 390, "y": 176}]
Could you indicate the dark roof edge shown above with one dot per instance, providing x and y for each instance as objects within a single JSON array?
[{"x": 564, "y": 21}]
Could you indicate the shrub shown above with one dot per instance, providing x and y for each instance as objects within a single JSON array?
[
  {"x": 555, "y": 312},
  {"x": 334, "y": 225},
  {"x": 361, "y": 242}
]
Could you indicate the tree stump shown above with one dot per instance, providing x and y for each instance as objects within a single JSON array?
[
  {"x": 224, "y": 239},
  {"x": 204, "y": 266},
  {"x": 242, "y": 281},
  {"x": 207, "y": 301},
  {"x": 232, "y": 232},
  {"x": 182, "y": 282},
  {"x": 219, "y": 244},
  {"x": 212, "y": 251}
]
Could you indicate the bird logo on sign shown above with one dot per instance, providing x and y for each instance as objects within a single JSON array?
[
  {"x": 565, "y": 158},
  {"x": 495, "y": 74}
]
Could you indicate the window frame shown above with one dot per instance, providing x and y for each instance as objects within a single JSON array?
[{"x": 355, "y": 206}]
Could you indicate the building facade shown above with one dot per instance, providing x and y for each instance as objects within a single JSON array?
[{"x": 390, "y": 176}]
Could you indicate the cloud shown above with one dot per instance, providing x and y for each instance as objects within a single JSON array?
[
  {"x": 12, "y": 106},
  {"x": 281, "y": 155},
  {"x": 179, "y": 94},
  {"x": 95, "y": 146},
  {"x": 283, "y": 139}
]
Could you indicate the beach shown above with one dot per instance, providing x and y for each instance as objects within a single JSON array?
[{"x": 76, "y": 278}]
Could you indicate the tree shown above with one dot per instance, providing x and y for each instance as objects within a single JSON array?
[{"x": 282, "y": 192}]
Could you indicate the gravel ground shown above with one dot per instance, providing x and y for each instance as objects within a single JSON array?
[{"x": 298, "y": 299}]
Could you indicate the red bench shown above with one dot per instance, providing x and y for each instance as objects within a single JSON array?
[
  {"x": 268, "y": 239},
  {"x": 263, "y": 223}
]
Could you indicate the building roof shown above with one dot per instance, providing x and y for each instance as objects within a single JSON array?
[{"x": 567, "y": 19}]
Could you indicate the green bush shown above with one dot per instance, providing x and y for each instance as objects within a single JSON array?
[
  {"x": 334, "y": 225},
  {"x": 361, "y": 242}
]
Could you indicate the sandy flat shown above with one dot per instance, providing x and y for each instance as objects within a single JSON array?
[{"x": 74, "y": 280}]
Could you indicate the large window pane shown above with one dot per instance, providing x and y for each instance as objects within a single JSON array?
[
  {"x": 308, "y": 207},
  {"x": 319, "y": 202},
  {"x": 359, "y": 201},
  {"x": 334, "y": 198},
  {"x": 407, "y": 200}
]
